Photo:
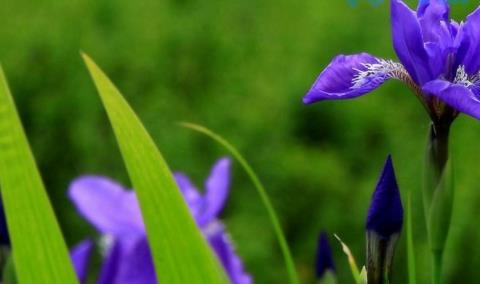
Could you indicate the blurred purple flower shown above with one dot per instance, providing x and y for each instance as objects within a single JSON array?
[
  {"x": 440, "y": 62},
  {"x": 385, "y": 215},
  {"x": 324, "y": 259},
  {"x": 114, "y": 212}
]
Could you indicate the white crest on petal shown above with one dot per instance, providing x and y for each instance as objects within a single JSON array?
[
  {"x": 105, "y": 243},
  {"x": 462, "y": 78},
  {"x": 383, "y": 69}
]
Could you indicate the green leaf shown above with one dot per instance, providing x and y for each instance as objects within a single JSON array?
[
  {"x": 180, "y": 252},
  {"x": 410, "y": 248},
  {"x": 362, "y": 279},
  {"x": 351, "y": 261},
  {"x": 39, "y": 251},
  {"x": 287, "y": 256}
]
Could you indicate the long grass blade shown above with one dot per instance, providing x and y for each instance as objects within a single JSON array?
[
  {"x": 180, "y": 252},
  {"x": 39, "y": 251},
  {"x": 292, "y": 274}
]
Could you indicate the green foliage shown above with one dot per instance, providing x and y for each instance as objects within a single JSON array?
[
  {"x": 180, "y": 252},
  {"x": 287, "y": 256},
  {"x": 39, "y": 251}
]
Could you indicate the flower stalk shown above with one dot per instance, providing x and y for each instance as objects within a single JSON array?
[{"x": 438, "y": 193}]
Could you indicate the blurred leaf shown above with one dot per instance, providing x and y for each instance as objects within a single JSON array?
[
  {"x": 39, "y": 251},
  {"x": 351, "y": 260},
  {"x": 263, "y": 196},
  {"x": 410, "y": 247},
  {"x": 180, "y": 252}
]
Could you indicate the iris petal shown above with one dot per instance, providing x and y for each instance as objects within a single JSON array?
[
  {"x": 136, "y": 266},
  {"x": 80, "y": 255},
  {"x": 462, "y": 98},
  {"x": 217, "y": 189},
  {"x": 222, "y": 245},
  {"x": 408, "y": 42},
  {"x": 470, "y": 46},
  {"x": 107, "y": 205},
  {"x": 423, "y": 5},
  {"x": 336, "y": 81}
]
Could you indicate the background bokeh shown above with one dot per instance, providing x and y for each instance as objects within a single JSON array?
[{"x": 240, "y": 68}]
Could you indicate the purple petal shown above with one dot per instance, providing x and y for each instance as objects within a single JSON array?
[
  {"x": 459, "y": 97},
  {"x": 191, "y": 195},
  {"x": 336, "y": 81},
  {"x": 217, "y": 188},
  {"x": 469, "y": 49},
  {"x": 424, "y": 4},
  {"x": 439, "y": 35},
  {"x": 111, "y": 265},
  {"x": 221, "y": 244},
  {"x": 107, "y": 205},
  {"x": 324, "y": 258},
  {"x": 385, "y": 215},
  {"x": 136, "y": 265},
  {"x": 80, "y": 255},
  {"x": 408, "y": 42}
]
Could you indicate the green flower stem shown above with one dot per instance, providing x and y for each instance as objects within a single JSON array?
[{"x": 438, "y": 193}]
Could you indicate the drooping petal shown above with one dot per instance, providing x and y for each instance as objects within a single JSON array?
[
  {"x": 107, "y": 205},
  {"x": 346, "y": 77},
  {"x": 385, "y": 215},
  {"x": 216, "y": 190},
  {"x": 324, "y": 259},
  {"x": 223, "y": 248},
  {"x": 459, "y": 97},
  {"x": 469, "y": 50},
  {"x": 191, "y": 195},
  {"x": 80, "y": 255},
  {"x": 408, "y": 42}
]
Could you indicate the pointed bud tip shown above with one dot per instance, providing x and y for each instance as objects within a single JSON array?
[{"x": 385, "y": 215}]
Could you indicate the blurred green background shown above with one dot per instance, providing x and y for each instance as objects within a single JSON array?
[{"x": 240, "y": 68}]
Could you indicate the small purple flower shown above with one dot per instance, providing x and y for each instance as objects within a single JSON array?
[
  {"x": 324, "y": 259},
  {"x": 440, "y": 62},
  {"x": 385, "y": 215},
  {"x": 115, "y": 213}
]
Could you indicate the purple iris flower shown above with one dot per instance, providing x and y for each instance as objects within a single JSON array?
[
  {"x": 324, "y": 259},
  {"x": 439, "y": 61},
  {"x": 114, "y": 211}
]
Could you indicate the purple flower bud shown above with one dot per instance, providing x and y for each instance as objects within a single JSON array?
[
  {"x": 324, "y": 259},
  {"x": 384, "y": 223},
  {"x": 385, "y": 215}
]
